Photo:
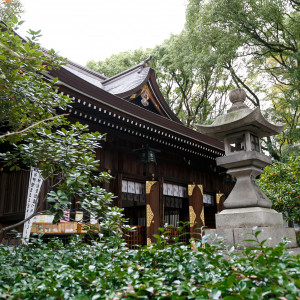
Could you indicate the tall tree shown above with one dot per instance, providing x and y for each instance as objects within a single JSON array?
[
  {"x": 192, "y": 90},
  {"x": 193, "y": 86},
  {"x": 244, "y": 43},
  {"x": 257, "y": 43},
  {"x": 35, "y": 135}
]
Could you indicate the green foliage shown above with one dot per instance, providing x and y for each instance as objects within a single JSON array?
[
  {"x": 194, "y": 89},
  {"x": 193, "y": 85},
  {"x": 106, "y": 269},
  {"x": 9, "y": 9},
  {"x": 257, "y": 43},
  {"x": 37, "y": 137},
  {"x": 26, "y": 98},
  {"x": 281, "y": 183},
  {"x": 71, "y": 154}
]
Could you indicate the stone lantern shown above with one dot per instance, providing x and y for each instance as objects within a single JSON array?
[{"x": 241, "y": 130}]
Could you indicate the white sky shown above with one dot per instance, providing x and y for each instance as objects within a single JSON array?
[{"x": 82, "y": 30}]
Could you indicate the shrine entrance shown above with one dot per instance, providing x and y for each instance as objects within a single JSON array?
[{"x": 154, "y": 204}]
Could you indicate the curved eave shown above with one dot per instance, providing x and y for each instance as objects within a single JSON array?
[
  {"x": 97, "y": 95},
  {"x": 161, "y": 98},
  {"x": 254, "y": 122},
  {"x": 135, "y": 88},
  {"x": 151, "y": 79},
  {"x": 124, "y": 73}
]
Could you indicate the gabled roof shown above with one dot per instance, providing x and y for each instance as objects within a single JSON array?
[
  {"x": 95, "y": 103},
  {"x": 86, "y": 74},
  {"x": 165, "y": 128},
  {"x": 128, "y": 85},
  {"x": 129, "y": 81}
]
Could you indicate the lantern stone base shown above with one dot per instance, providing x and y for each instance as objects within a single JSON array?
[
  {"x": 249, "y": 217},
  {"x": 235, "y": 225}
]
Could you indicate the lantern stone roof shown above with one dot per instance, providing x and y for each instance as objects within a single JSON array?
[{"x": 240, "y": 118}]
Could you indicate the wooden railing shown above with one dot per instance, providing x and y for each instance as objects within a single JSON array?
[
  {"x": 183, "y": 235},
  {"x": 135, "y": 236}
]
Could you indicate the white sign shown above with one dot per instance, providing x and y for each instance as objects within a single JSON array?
[
  {"x": 208, "y": 199},
  {"x": 170, "y": 189},
  {"x": 131, "y": 187},
  {"x": 35, "y": 182},
  {"x": 165, "y": 189},
  {"x": 124, "y": 186},
  {"x": 138, "y": 188},
  {"x": 174, "y": 190},
  {"x": 181, "y": 191}
]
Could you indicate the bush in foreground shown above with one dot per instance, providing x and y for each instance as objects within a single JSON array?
[
  {"x": 107, "y": 269},
  {"x": 281, "y": 183}
]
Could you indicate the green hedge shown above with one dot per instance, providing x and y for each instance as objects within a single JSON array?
[{"x": 107, "y": 269}]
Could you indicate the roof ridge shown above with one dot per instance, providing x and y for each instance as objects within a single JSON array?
[
  {"x": 102, "y": 76},
  {"x": 140, "y": 65}
]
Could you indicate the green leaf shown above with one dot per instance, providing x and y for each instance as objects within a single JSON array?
[{"x": 257, "y": 233}]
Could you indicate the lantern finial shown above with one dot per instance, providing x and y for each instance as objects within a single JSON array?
[{"x": 237, "y": 97}]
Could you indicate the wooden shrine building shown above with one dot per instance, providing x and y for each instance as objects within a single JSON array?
[{"x": 163, "y": 172}]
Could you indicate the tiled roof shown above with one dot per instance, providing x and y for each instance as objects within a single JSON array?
[{"x": 128, "y": 82}]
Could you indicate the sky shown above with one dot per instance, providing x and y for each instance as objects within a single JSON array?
[{"x": 83, "y": 30}]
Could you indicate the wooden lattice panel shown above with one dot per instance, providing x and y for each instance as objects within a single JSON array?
[
  {"x": 136, "y": 236},
  {"x": 183, "y": 235}
]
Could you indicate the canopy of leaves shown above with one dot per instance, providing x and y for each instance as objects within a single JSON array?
[
  {"x": 193, "y": 86},
  {"x": 26, "y": 97},
  {"x": 9, "y": 9},
  {"x": 248, "y": 44},
  {"x": 258, "y": 43},
  {"x": 194, "y": 93}
]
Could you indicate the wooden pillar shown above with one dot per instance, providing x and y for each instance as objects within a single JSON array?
[
  {"x": 161, "y": 203},
  {"x": 152, "y": 210},
  {"x": 196, "y": 210},
  {"x": 117, "y": 190},
  {"x": 3, "y": 183},
  {"x": 220, "y": 199}
]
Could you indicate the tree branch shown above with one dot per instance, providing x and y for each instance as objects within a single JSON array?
[
  {"x": 15, "y": 54},
  {"x": 236, "y": 78},
  {"x": 23, "y": 221},
  {"x": 31, "y": 126}
]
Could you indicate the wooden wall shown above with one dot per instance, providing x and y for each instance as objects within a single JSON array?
[
  {"x": 118, "y": 157},
  {"x": 13, "y": 195},
  {"x": 172, "y": 166},
  {"x": 13, "y": 192}
]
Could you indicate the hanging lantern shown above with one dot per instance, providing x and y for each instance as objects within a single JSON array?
[{"x": 146, "y": 155}]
